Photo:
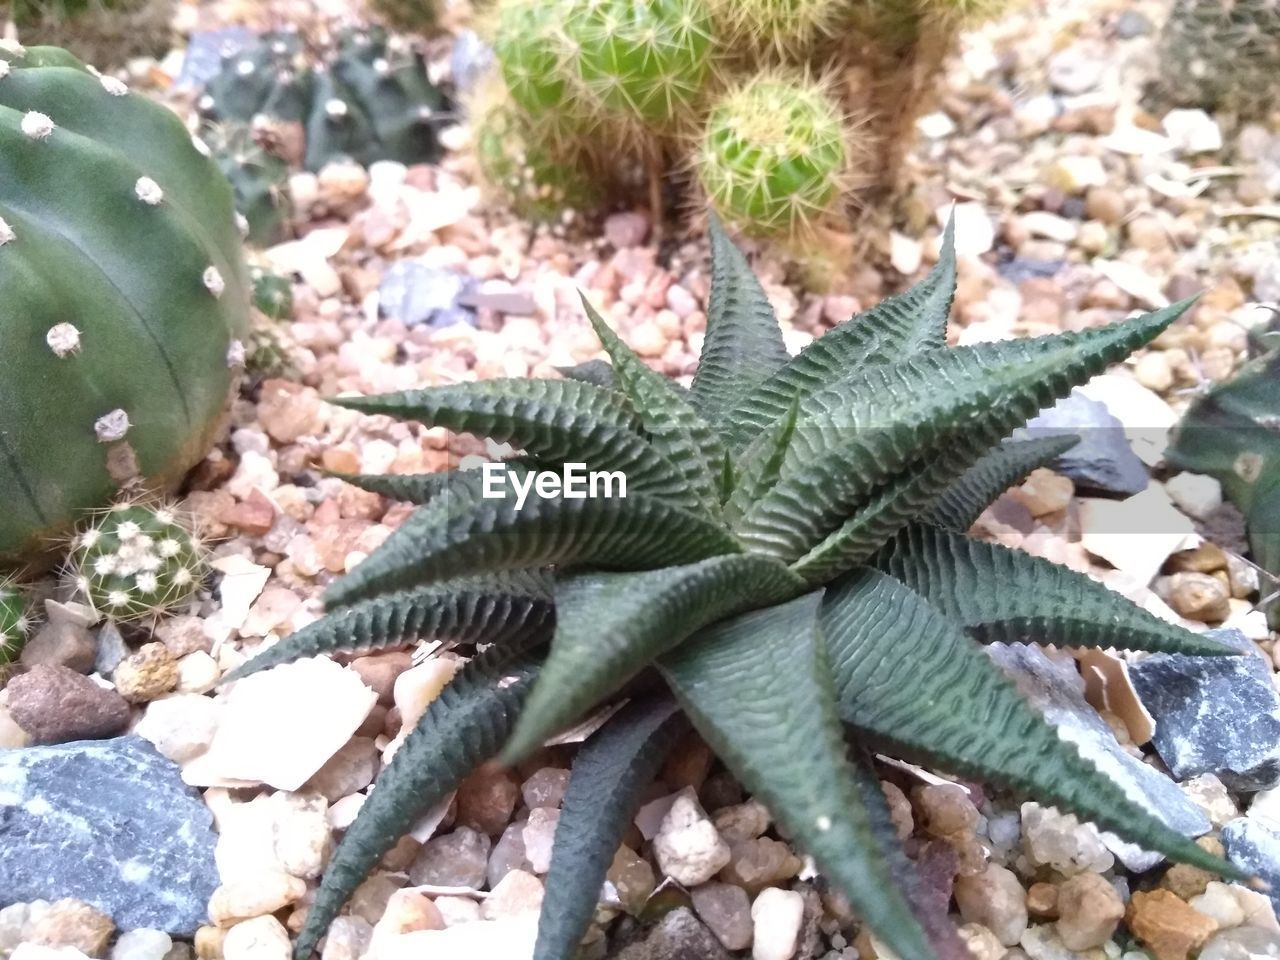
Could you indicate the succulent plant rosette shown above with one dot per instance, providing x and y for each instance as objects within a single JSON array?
[{"x": 787, "y": 572}]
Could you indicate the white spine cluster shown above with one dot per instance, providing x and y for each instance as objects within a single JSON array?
[
  {"x": 148, "y": 191},
  {"x": 112, "y": 426},
  {"x": 35, "y": 125},
  {"x": 6, "y": 231},
  {"x": 213, "y": 281},
  {"x": 63, "y": 339}
]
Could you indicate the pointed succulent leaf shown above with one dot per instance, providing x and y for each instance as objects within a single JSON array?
[
  {"x": 1002, "y": 595},
  {"x": 758, "y": 471},
  {"x": 671, "y": 423},
  {"x": 461, "y": 729},
  {"x": 854, "y": 435},
  {"x": 552, "y": 421},
  {"x": 610, "y": 626},
  {"x": 416, "y": 488},
  {"x": 890, "y": 331},
  {"x": 486, "y": 535},
  {"x": 743, "y": 344},
  {"x": 758, "y": 688},
  {"x": 978, "y": 487},
  {"x": 918, "y": 687},
  {"x": 609, "y": 776},
  {"x": 894, "y": 505},
  {"x": 599, "y": 372},
  {"x": 493, "y": 610}
]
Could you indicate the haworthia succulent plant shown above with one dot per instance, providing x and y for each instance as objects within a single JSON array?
[
  {"x": 793, "y": 564},
  {"x": 125, "y": 290}
]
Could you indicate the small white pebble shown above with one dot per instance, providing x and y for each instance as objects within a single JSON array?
[
  {"x": 113, "y": 86},
  {"x": 63, "y": 339},
  {"x": 213, "y": 281},
  {"x": 37, "y": 126},
  {"x": 148, "y": 191},
  {"x": 6, "y": 231},
  {"x": 112, "y": 426},
  {"x": 235, "y": 355}
]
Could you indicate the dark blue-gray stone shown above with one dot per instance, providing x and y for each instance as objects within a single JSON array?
[
  {"x": 470, "y": 58},
  {"x": 1102, "y": 461},
  {"x": 1254, "y": 846},
  {"x": 1054, "y": 687},
  {"x": 1218, "y": 715},
  {"x": 203, "y": 57},
  {"x": 109, "y": 822},
  {"x": 416, "y": 294},
  {"x": 1018, "y": 269}
]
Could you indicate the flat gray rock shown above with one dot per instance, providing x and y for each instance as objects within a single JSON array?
[
  {"x": 109, "y": 822},
  {"x": 1254, "y": 846},
  {"x": 1056, "y": 690},
  {"x": 1217, "y": 715},
  {"x": 1102, "y": 461}
]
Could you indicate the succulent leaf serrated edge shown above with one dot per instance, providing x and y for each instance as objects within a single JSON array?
[{"x": 776, "y": 660}]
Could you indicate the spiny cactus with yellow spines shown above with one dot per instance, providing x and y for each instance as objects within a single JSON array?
[
  {"x": 15, "y": 622},
  {"x": 643, "y": 60},
  {"x": 519, "y": 160},
  {"x": 774, "y": 156},
  {"x": 134, "y": 561},
  {"x": 781, "y": 29}
]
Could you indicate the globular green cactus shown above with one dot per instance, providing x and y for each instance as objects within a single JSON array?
[
  {"x": 785, "y": 28},
  {"x": 134, "y": 561},
  {"x": 260, "y": 181},
  {"x": 774, "y": 156},
  {"x": 371, "y": 101},
  {"x": 1222, "y": 55},
  {"x": 1233, "y": 433},
  {"x": 15, "y": 621},
  {"x": 125, "y": 290},
  {"x": 272, "y": 293},
  {"x": 537, "y": 180},
  {"x": 642, "y": 60}
]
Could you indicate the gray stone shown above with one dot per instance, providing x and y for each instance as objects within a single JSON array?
[
  {"x": 111, "y": 649},
  {"x": 417, "y": 294},
  {"x": 470, "y": 58},
  {"x": 1131, "y": 24},
  {"x": 110, "y": 823},
  {"x": 1218, "y": 715},
  {"x": 61, "y": 643},
  {"x": 1253, "y": 846},
  {"x": 1102, "y": 461},
  {"x": 678, "y": 936},
  {"x": 203, "y": 57},
  {"x": 457, "y": 859},
  {"x": 1056, "y": 690}
]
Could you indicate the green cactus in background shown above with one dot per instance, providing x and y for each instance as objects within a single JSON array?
[
  {"x": 272, "y": 293},
  {"x": 1218, "y": 54},
  {"x": 783, "y": 28},
  {"x": 267, "y": 351},
  {"x": 122, "y": 345},
  {"x": 372, "y": 101},
  {"x": 644, "y": 61},
  {"x": 15, "y": 622},
  {"x": 134, "y": 561},
  {"x": 537, "y": 181},
  {"x": 260, "y": 181},
  {"x": 1233, "y": 433},
  {"x": 774, "y": 155},
  {"x": 106, "y": 33}
]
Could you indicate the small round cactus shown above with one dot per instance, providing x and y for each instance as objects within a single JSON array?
[
  {"x": 534, "y": 55},
  {"x": 534, "y": 179},
  {"x": 260, "y": 181},
  {"x": 272, "y": 293},
  {"x": 125, "y": 290},
  {"x": 786, "y": 28},
  {"x": 134, "y": 561},
  {"x": 642, "y": 60},
  {"x": 774, "y": 156},
  {"x": 15, "y": 621}
]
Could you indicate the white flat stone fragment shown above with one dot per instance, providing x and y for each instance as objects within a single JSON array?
[{"x": 281, "y": 726}]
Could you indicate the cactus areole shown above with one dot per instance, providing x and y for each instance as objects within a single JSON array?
[{"x": 125, "y": 295}]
